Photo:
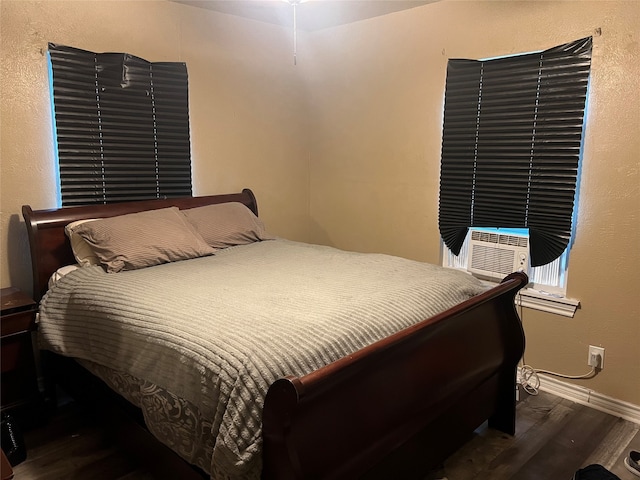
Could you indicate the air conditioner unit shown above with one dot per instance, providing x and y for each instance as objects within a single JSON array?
[{"x": 496, "y": 255}]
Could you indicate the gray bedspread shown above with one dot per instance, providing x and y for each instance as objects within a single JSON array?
[{"x": 217, "y": 331}]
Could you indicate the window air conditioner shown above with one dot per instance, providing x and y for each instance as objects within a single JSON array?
[{"x": 496, "y": 255}]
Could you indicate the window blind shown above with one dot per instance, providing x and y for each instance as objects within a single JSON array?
[
  {"x": 511, "y": 145},
  {"x": 121, "y": 125}
]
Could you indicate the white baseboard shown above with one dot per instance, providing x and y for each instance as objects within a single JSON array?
[{"x": 590, "y": 398}]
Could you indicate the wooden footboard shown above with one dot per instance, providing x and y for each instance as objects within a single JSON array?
[{"x": 400, "y": 406}]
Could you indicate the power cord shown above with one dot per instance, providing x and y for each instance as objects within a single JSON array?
[
  {"x": 528, "y": 377},
  {"x": 530, "y": 381}
]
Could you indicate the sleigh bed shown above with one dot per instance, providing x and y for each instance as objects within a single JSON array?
[{"x": 385, "y": 391}]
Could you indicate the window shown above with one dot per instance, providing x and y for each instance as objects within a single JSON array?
[
  {"x": 121, "y": 127},
  {"x": 511, "y": 149}
]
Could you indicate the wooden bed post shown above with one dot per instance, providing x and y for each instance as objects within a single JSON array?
[{"x": 504, "y": 417}]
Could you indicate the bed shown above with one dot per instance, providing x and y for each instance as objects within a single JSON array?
[{"x": 392, "y": 404}]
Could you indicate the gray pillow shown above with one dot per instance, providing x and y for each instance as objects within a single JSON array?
[
  {"x": 143, "y": 239},
  {"x": 227, "y": 224}
]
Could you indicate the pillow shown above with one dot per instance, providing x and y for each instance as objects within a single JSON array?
[
  {"x": 227, "y": 224},
  {"x": 143, "y": 239},
  {"x": 82, "y": 251},
  {"x": 61, "y": 272}
]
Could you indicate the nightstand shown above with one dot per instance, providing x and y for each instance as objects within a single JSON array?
[
  {"x": 17, "y": 322},
  {"x": 19, "y": 382}
]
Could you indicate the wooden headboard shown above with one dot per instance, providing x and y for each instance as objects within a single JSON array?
[{"x": 50, "y": 247}]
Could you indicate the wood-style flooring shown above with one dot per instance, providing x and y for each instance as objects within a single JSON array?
[{"x": 554, "y": 438}]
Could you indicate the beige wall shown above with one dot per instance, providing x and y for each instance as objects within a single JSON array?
[
  {"x": 344, "y": 148},
  {"x": 245, "y": 105},
  {"x": 377, "y": 91}
]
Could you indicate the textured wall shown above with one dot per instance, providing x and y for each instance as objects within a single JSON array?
[{"x": 377, "y": 90}]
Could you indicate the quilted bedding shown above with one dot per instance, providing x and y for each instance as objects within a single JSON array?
[{"x": 217, "y": 331}]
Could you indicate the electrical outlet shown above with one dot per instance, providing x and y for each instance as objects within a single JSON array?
[{"x": 596, "y": 357}]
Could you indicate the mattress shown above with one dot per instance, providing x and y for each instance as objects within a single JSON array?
[{"x": 216, "y": 331}]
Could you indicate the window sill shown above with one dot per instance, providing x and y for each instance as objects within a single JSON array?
[{"x": 546, "y": 302}]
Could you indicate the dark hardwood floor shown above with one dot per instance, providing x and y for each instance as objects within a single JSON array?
[{"x": 554, "y": 438}]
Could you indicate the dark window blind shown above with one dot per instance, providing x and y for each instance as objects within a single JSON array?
[
  {"x": 122, "y": 127},
  {"x": 511, "y": 146}
]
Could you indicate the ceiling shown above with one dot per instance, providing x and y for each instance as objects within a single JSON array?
[{"x": 311, "y": 14}]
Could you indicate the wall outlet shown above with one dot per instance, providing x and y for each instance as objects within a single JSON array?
[{"x": 596, "y": 357}]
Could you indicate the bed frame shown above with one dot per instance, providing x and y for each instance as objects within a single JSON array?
[{"x": 395, "y": 409}]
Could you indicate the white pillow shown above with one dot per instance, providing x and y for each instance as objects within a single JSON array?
[
  {"x": 61, "y": 272},
  {"x": 82, "y": 251}
]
